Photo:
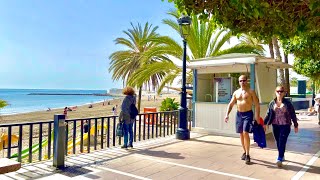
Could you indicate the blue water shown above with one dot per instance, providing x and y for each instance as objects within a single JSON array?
[{"x": 20, "y": 102}]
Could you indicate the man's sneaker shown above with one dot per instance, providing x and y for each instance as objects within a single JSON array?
[
  {"x": 243, "y": 157},
  {"x": 279, "y": 164},
  {"x": 281, "y": 159},
  {"x": 247, "y": 159},
  {"x": 130, "y": 146},
  {"x": 124, "y": 147}
]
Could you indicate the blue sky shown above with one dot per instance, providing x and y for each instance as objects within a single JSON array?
[{"x": 66, "y": 44}]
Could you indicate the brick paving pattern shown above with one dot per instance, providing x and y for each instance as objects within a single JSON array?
[{"x": 202, "y": 157}]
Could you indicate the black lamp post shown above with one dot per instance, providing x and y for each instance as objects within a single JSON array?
[{"x": 182, "y": 132}]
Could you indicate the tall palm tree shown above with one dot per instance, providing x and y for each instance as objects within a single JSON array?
[
  {"x": 125, "y": 63},
  {"x": 204, "y": 40}
]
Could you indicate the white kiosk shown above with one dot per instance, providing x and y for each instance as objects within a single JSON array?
[{"x": 213, "y": 87}]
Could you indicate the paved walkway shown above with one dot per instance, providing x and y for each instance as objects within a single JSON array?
[{"x": 202, "y": 157}]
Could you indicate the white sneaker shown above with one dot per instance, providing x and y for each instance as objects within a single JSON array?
[{"x": 279, "y": 164}]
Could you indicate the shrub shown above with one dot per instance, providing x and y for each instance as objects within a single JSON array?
[
  {"x": 3, "y": 103},
  {"x": 168, "y": 104}
]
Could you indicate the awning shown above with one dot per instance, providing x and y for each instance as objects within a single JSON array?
[
  {"x": 235, "y": 61},
  {"x": 274, "y": 64}
]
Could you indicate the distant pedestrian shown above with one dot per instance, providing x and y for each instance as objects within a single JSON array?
[
  {"x": 281, "y": 114},
  {"x": 65, "y": 112},
  {"x": 86, "y": 127},
  {"x": 114, "y": 110}
]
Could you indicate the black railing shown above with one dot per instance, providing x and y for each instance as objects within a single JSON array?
[{"x": 29, "y": 142}]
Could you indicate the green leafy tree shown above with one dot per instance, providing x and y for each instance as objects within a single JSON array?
[
  {"x": 305, "y": 45},
  {"x": 139, "y": 40},
  {"x": 3, "y": 104},
  {"x": 260, "y": 18},
  {"x": 169, "y": 104},
  {"x": 308, "y": 67},
  {"x": 294, "y": 82},
  {"x": 204, "y": 40},
  {"x": 305, "y": 48}
]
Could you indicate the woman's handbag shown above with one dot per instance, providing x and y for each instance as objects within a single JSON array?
[{"x": 119, "y": 130}]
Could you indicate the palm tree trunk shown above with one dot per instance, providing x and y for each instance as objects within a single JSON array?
[
  {"x": 277, "y": 51},
  {"x": 287, "y": 74},
  {"x": 271, "y": 49},
  {"x": 139, "y": 98}
]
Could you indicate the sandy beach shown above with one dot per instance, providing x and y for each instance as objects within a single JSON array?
[{"x": 83, "y": 111}]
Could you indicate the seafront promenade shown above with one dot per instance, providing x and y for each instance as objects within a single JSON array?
[{"x": 202, "y": 157}]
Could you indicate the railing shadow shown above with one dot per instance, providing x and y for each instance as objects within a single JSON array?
[
  {"x": 35, "y": 139},
  {"x": 99, "y": 157}
]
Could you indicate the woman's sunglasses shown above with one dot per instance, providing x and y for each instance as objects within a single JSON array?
[{"x": 280, "y": 91}]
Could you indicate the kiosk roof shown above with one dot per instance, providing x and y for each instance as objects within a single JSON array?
[{"x": 238, "y": 61}]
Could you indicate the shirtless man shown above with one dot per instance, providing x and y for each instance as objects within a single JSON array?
[{"x": 244, "y": 97}]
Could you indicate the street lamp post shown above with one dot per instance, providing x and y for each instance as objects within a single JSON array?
[{"x": 182, "y": 132}]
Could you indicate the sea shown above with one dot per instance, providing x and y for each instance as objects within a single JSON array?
[{"x": 20, "y": 100}]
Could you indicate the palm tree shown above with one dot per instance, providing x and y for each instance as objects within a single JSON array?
[
  {"x": 125, "y": 63},
  {"x": 204, "y": 40}
]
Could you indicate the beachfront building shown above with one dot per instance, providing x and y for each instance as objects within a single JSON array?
[
  {"x": 115, "y": 91},
  {"x": 214, "y": 85}
]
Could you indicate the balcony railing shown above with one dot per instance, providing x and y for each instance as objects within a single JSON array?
[{"x": 30, "y": 142}]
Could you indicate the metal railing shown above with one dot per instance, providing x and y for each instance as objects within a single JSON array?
[{"x": 29, "y": 142}]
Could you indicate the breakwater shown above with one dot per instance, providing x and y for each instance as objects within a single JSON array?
[{"x": 72, "y": 94}]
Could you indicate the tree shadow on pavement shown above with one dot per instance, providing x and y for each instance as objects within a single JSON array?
[{"x": 162, "y": 154}]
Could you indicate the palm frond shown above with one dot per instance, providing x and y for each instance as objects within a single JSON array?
[
  {"x": 214, "y": 41},
  {"x": 145, "y": 72},
  {"x": 168, "y": 79},
  {"x": 241, "y": 48},
  {"x": 225, "y": 38}
]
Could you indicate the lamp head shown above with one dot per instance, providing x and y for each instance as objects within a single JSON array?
[{"x": 184, "y": 23}]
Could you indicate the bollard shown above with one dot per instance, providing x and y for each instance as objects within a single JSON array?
[{"x": 59, "y": 141}]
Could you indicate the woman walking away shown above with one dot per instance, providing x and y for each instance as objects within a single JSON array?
[
  {"x": 125, "y": 116},
  {"x": 280, "y": 114}
]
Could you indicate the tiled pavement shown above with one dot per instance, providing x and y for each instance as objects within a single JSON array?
[{"x": 202, "y": 157}]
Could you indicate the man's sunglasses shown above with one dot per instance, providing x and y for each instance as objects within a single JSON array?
[{"x": 242, "y": 80}]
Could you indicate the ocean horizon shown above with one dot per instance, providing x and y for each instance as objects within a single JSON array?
[{"x": 20, "y": 101}]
